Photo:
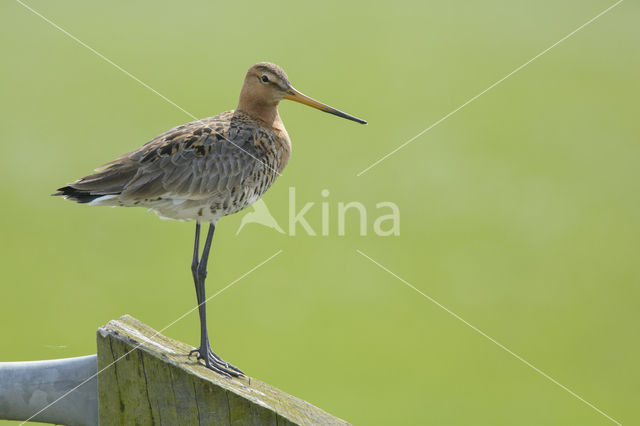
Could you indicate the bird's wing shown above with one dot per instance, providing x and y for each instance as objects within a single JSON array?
[{"x": 194, "y": 161}]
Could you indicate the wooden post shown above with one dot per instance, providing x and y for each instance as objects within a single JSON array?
[{"x": 153, "y": 382}]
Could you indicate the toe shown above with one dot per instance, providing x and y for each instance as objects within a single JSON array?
[
  {"x": 225, "y": 363},
  {"x": 220, "y": 371}
]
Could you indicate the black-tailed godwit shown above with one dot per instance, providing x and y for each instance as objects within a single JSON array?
[{"x": 204, "y": 170}]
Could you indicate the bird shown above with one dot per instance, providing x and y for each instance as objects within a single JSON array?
[{"x": 204, "y": 170}]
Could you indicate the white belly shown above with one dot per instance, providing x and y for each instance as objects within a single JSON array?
[{"x": 178, "y": 209}]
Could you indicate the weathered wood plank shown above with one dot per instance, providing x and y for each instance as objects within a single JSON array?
[{"x": 147, "y": 379}]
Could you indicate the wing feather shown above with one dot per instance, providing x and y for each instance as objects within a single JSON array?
[{"x": 192, "y": 161}]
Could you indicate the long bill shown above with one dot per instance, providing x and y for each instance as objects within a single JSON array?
[{"x": 293, "y": 95}]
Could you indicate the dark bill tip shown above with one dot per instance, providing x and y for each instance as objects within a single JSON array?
[{"x": 293, "y": 95}]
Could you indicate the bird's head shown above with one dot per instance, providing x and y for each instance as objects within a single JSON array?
[{"x": 266, "y": 84}]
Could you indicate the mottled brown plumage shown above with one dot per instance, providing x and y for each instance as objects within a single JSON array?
[
  {"x": 201, "y": 170},
  {"x": 204, "y": 170}
]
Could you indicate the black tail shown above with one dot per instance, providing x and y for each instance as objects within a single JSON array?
[{"x": 77, "y": 195}]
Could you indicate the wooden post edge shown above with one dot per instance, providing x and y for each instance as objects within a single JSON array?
[{"x": 147, "y": 378}]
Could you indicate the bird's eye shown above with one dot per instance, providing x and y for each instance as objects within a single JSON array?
[{"x": 264, "y": 79}]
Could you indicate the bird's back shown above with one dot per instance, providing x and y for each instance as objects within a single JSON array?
[{"x": 197, "y": 171}]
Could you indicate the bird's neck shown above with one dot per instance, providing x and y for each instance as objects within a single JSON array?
[{"x": 267, "y": 113}]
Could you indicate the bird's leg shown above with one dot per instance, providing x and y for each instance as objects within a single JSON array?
[
  {"x": 199, "y": 270},
  {"x": 194, "y": 262}
]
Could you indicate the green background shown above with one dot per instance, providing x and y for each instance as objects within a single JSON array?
[{"x": 519, "y": 213}]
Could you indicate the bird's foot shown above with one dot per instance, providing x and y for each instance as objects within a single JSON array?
[{"x": 217, "y": 364}]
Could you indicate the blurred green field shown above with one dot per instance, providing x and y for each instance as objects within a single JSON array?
[{"x": 520, "y": 213}]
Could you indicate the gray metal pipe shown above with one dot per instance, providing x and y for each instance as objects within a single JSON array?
[{"x": 28, "y": 387}]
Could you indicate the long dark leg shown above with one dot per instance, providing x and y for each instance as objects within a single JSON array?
[
  {"x": 194, "y": 263},
  {"x": 199, "y": 270},
  {"x": 200, "y": 292}
]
